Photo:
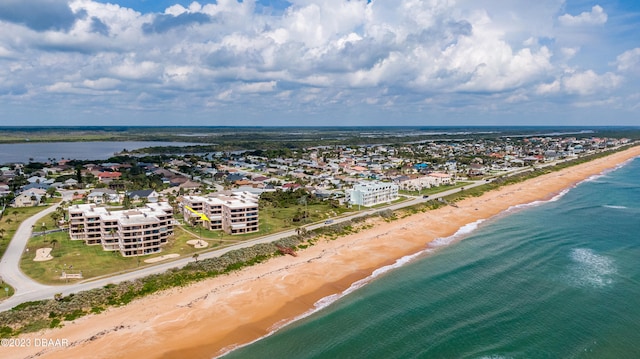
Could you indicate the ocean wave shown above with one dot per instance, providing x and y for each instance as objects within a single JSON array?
[
  {"x": 615, "y": 207},
  {"x": 555, "y": 198},
  {"x": 604, "y": 173},
  {"x": 464, "y": 230},
  {"x": 590, "y": 269}
]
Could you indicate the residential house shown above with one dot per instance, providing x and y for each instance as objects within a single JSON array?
[{"x": 148, "y": 195}]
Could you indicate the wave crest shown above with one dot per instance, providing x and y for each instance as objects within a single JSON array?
[{"x": 590, "y": 269}]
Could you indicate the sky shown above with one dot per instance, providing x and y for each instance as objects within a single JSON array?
[{"x": 319, "y": 62}]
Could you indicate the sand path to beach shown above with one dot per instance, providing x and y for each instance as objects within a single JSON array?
[{"x": 206, "y": 318}]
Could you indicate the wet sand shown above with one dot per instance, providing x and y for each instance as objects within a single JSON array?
[{"x": 209, "y": 317}]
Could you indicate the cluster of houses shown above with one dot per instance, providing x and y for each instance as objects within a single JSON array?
[{"x": 359, "y": 175}]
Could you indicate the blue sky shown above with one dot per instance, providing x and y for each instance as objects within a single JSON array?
[{"x": 319, "y": 62}]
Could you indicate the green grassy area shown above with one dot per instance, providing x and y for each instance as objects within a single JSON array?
[
  {"x": 75, "y": 256},
  {"x": 10, "y": 222},
  {"x": 6, "y": 291}
]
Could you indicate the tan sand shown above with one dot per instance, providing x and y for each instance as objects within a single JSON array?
[
  {"x": 161, "y": 258},
  {"x": 43, "y": 254},
  {"x": 206, "y": 318},
  {"x": 198, "y": 243}
]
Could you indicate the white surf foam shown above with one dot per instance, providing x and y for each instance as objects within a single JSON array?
[
  {"x": 464, "y": 230},
  {"x": 615, "y": 207},
  {"x": 590, "y": 269}
]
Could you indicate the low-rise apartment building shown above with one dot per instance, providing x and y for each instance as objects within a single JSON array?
[
  {"x": 236, "y": 213},
  {"x": 372, "y": 193},
  {"x": 133, "y": 232}
]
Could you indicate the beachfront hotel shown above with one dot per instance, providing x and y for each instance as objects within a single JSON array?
[
  {"x": 235, "y": 213},
  {"x": 133, "y": 232},
  {"x": 371, "y": 193}
]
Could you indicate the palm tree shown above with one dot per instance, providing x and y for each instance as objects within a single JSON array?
[{"x": 56, "y": 217}]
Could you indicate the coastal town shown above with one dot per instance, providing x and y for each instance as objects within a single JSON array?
[
  {"x": 131, "y": 206},
  {"x": 89, "y": 235}
]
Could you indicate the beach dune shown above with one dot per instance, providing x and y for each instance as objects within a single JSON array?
[{"x": 210, "y": 317}]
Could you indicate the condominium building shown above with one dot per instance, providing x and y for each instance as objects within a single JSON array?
[
  {"x": 235, "y": 213},
  {"x": 133, "y": 232},
  {"x": 372, "y": 193}
]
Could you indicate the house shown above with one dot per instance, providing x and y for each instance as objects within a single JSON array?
[
  {"x": 71, "y": 182},
  {"x": 106, "y": 177},
  {"x": 103, "y": 195},
  {"x": 148, "y": 195},
  {"x": 29, "y": 198}
]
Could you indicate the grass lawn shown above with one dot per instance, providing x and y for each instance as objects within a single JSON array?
[
  {"x": 11, "y": 220},
  {"x": 92, "y": 261},
  {"x": 6, "y": 291}
]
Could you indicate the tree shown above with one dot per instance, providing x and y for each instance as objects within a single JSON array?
[
  {"x": 79, "y": 174},
  {"x": 53, "y": 243},
  {"x": 51, "y": 191},
  {"x": 195, "y": 256},
  {"x": 56, "y": 217}
]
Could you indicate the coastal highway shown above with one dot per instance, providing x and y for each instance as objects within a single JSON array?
[{"x": 27, "y": 289}]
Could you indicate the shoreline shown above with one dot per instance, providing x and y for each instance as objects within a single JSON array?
[{"x": 211, "y": 317}]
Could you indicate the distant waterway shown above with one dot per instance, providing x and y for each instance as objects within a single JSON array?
[{"x": 100, "y": 150}]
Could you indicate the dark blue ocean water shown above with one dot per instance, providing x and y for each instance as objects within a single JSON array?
[{"x": 557, "y": 280}]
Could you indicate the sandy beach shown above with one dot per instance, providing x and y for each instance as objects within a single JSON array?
[{"x": 212, "y": 316}]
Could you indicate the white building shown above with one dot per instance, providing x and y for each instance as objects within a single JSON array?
[
  {"x": 234, "y": 214},
  {"x": 133, "y": 232},
  {"x": 372, "y": 193}
]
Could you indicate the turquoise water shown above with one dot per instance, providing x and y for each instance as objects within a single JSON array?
[{"x": 560, "y": 279}]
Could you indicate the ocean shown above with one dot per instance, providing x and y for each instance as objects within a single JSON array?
[{"x": 554, "y": 279}]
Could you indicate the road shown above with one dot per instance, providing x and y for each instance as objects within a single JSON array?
[{"x": 10, "y": 264}]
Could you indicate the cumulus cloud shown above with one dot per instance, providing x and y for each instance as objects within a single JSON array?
[
  {"x": 629, "y": 61},
  {"x": 314, "y": 54},
  {"x": 589, "y": 82},
  {"x": 596, "y": 16}
]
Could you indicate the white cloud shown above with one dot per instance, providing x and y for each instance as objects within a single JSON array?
[
  {"x": 629, "y": 61},
  {"x": 133, "y": 70},
  {"x": 569, "y": 52},
  {"x": 314, "y": 55},
  {"x": 101, "y": 84},
  {"x": 596, "y": 16},
  {"x": 257, "y": 87},
  {"x": 548, "y": 88},
  {"x": 588, "y": 82}
]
